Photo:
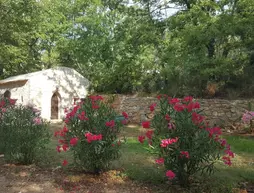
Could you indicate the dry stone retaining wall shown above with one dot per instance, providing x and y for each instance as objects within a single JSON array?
[{"x": 218, "y": 111}]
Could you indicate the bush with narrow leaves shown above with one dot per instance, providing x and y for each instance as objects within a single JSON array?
[
  {"x": 23, "y": 132},
  {"x": 182, "y": 139},
  {"x": 90, "y": 132}
]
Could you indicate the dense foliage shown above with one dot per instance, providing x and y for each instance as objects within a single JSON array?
[
  {"x": 91, "y": 134},
  {"x": 23, "y": 133},
  {"x": 201, "y": 47},
  {"x": 183, "y": 141}
]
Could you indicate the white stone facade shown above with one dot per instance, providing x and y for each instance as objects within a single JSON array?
[{"x": 38, "y": 88}]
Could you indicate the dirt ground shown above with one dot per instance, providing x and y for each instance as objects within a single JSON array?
[{"x": 30, "y": 179}]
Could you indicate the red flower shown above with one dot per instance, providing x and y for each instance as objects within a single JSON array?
[
  {"x": 188, "y": 99},
  {"x": 152, "y": 107},
  {"x": 110, "y": 123},
  {"x": 149, "y": 134},
  {"x": 119, "y": 143},
  {"x": 227, "y": 160},
  {"x": 65, "y": 162},
  {"x": 95, "y": 106},
  {"x": 124, "y": 122},
  {"x": 74, "y": 141},
  {"x": 96, "y": 98},
  {"x": 178, "y": 107},
  {"x": 223, "y": 142},
  {"x": 197, "y": 118},
  {"x": 192, "y": 106},
  {"x": 61, "y": 141},
  {"x": 185, "y": 154},
  {"x": 167, "y": 117},
  {"x": 56, "y": 133},
  {"x": 174, "y": 101},
  {"x": 160, "y": 160},
  {"x": 214, "y": 131},
  {"x": 65, "y": 129},
  {"x": 146, "y": 124},
  {"x": 171, "y": 175},
  {"x": 125, "y": 115},
  {"x": 65, "y": 147},
  {"x": 159, "y": 97},
  {"x": 141, "y": 139},
  {"x": 58, "y": 149},
  {"x": 82, "y": 116},
  {"x": 12, "y": 101}
]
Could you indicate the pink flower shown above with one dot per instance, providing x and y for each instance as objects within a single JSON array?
[
  {"x": 74, "y": 141},
  {"x": 99, "y": 137},
  {"x": 171, "y": 175},
  {"x": 166, "y": 142},
  {"x": 160, "y": 160},
  {"x": 110, "y": 123},
  {"x": 171, "y": 125},
  {"x": 152, "y": 107},
  {"x": 125, "y": 115},
  {"x": 141, "y": 139},
  {"x": 184, "y": 154},
  {"x": 65, "y": 162},
  {"x": 90, "y": 137},
  {"x": 3, "y": 110},
  {"x": 146, "y": 124},
  {"x": 37, "y": 120}
]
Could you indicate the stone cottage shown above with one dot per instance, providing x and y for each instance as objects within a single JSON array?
[{"x": 51, "y": 90}]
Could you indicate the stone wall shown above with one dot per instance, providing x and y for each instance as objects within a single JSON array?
[{"x": 218, "y": 111}]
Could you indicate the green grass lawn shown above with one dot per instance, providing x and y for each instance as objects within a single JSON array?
[{"x": 138, "y": 164}]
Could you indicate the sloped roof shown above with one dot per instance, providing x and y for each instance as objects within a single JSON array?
[{"x": 25, "y": 77}]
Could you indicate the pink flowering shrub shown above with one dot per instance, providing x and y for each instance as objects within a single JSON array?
[
  {"x": 23, "y": 132},
  {"x": 90, "y": 132},
  {"x": 184, "y": 142},
  {"x": 247, "y": 117}
]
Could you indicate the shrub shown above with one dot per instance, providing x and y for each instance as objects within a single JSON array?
[
  {"x": 91, "y": 134},
  {"x": 23, "y": 133},
  {"x": 248, "y": 121},
  {"x": 182, "y": 139}
]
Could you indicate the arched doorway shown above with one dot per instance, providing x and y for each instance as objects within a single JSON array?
[
  {"x": 7, "y": 94},
  {"x": 55, "y": 104}
]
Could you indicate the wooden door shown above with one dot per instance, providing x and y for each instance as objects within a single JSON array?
[{"x": 54, "y": 106}]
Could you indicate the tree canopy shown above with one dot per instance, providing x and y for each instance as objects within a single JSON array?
[{"x": 203, "y": 48}]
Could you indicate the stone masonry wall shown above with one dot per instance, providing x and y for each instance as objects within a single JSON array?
[{"x": 218, "y": 111}]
